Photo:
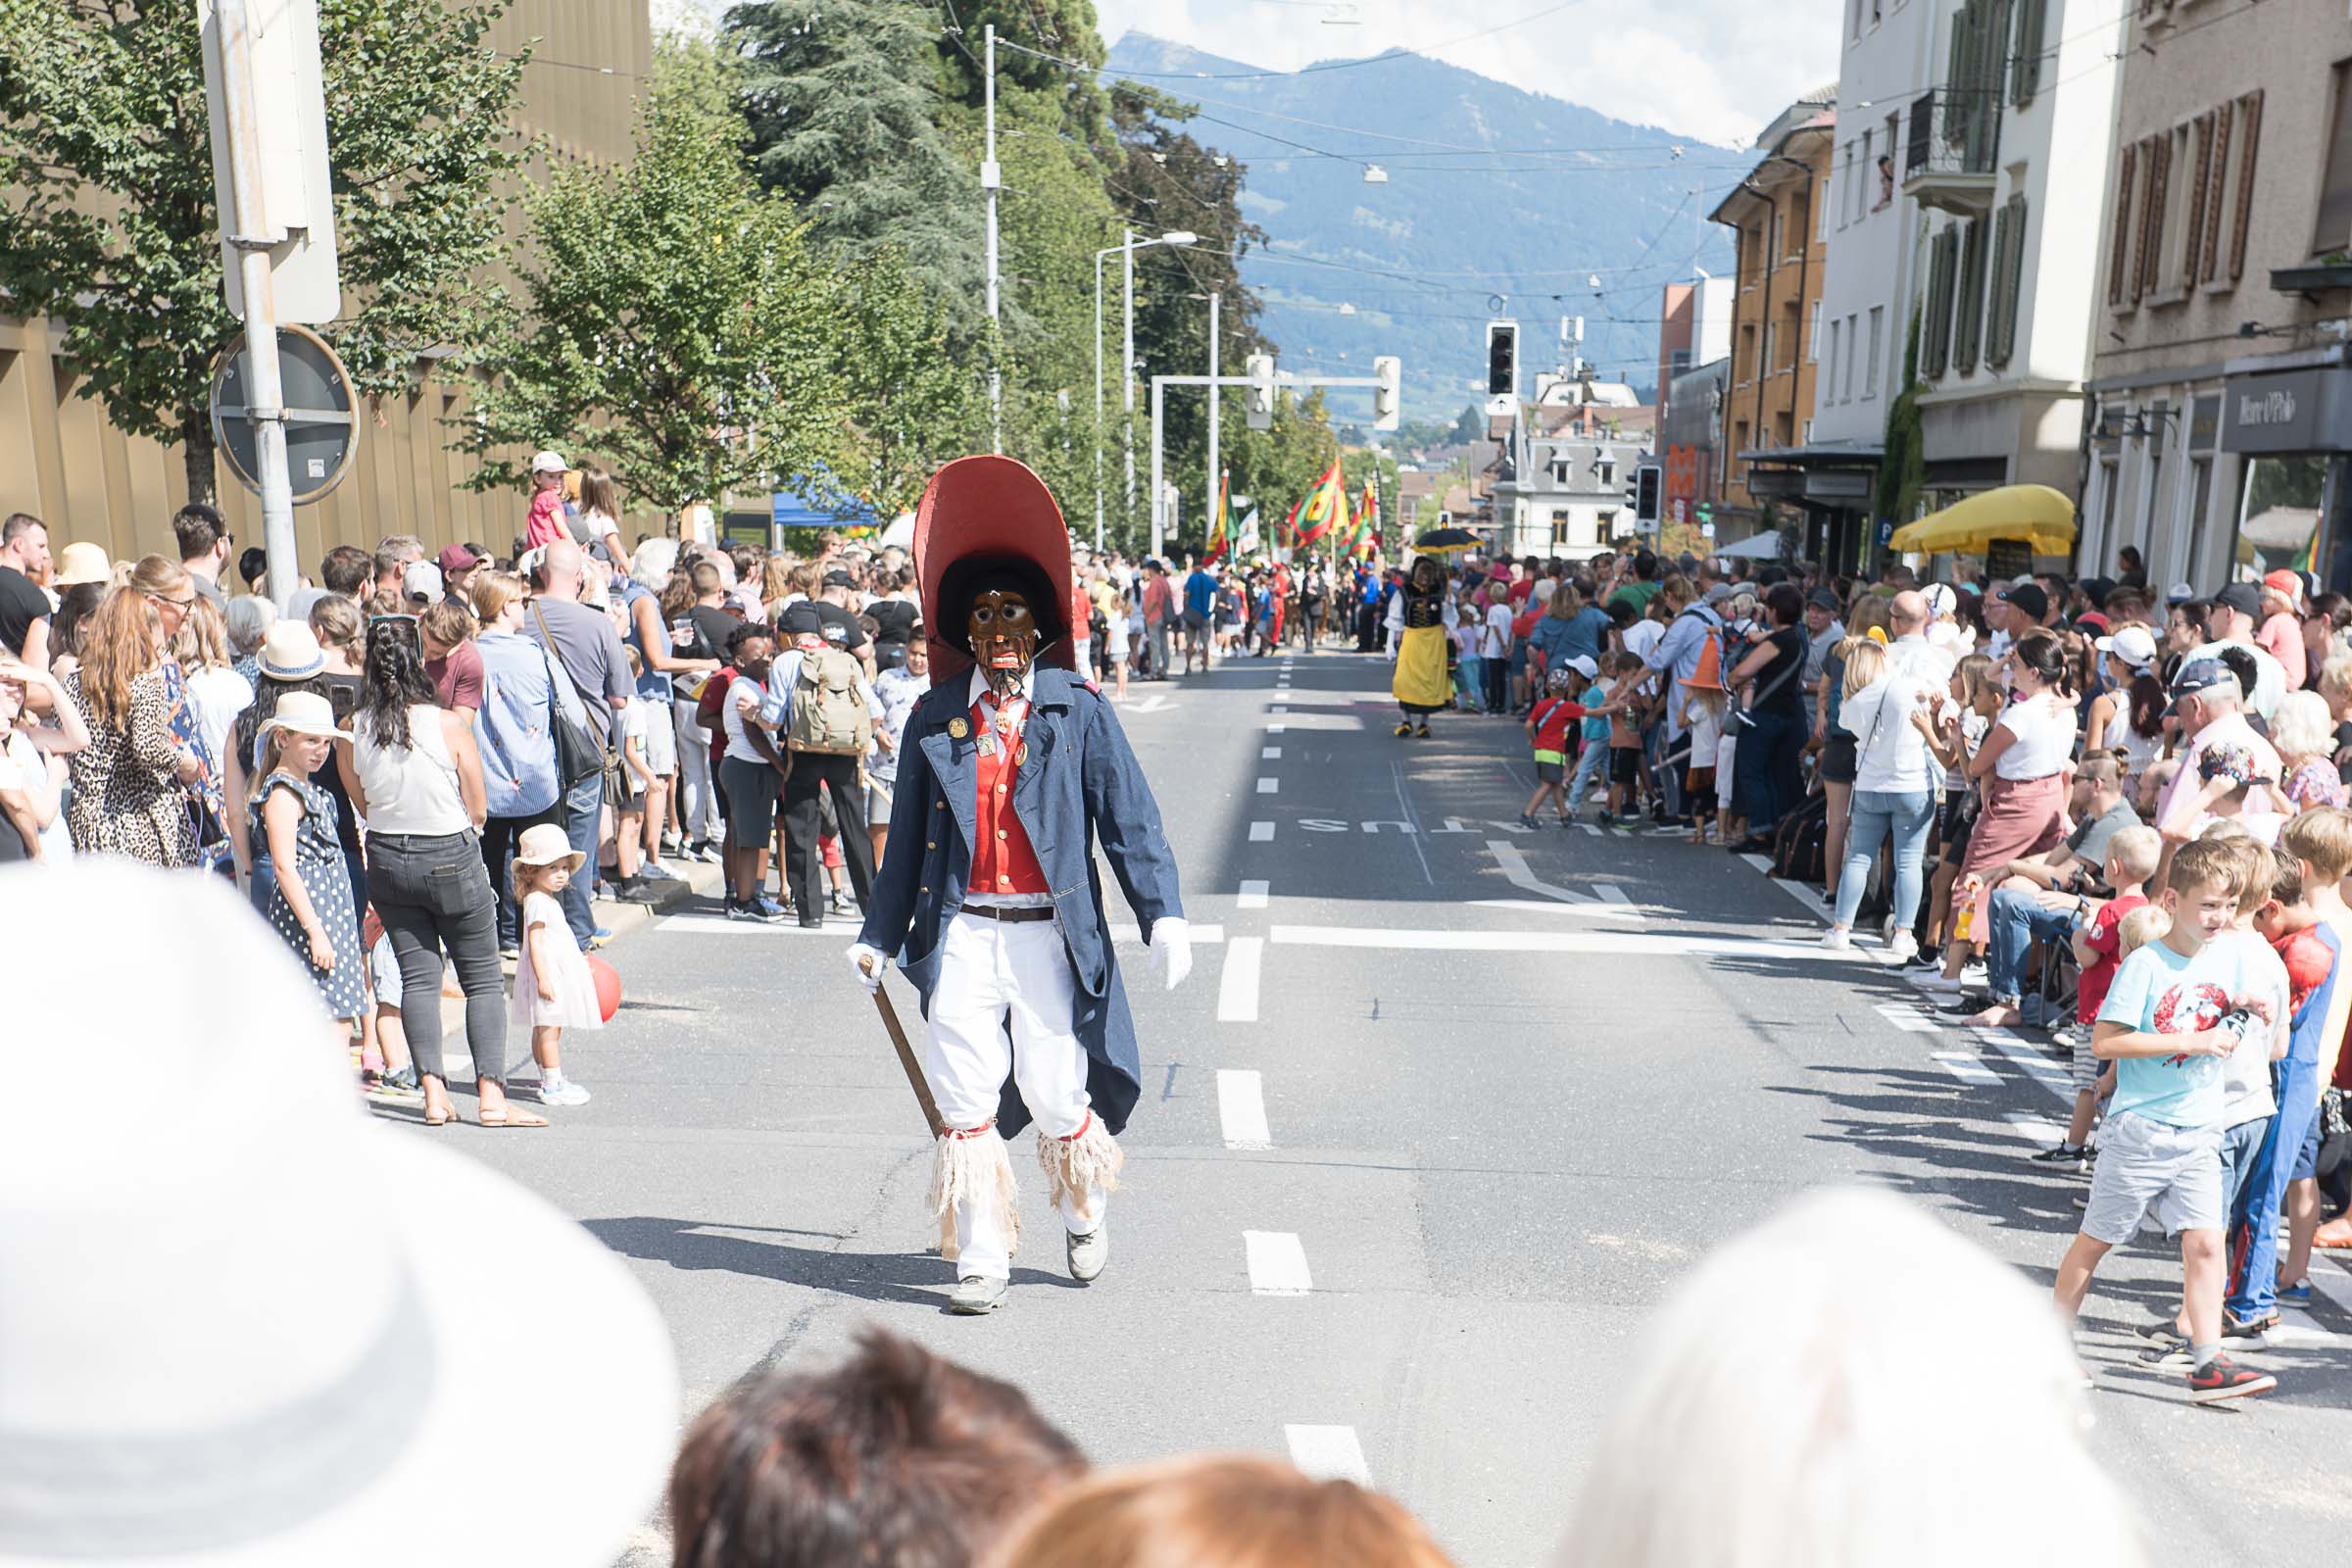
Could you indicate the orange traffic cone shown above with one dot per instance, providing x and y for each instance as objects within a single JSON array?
[{"x": 1708, "y": 676}]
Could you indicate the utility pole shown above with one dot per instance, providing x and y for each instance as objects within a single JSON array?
[
  {"x": 990, "y": 179},
  {"x": 1215, "y": 396},
  {"x": 252, "y": 233},
  {"x": 1127, "y": 372}
]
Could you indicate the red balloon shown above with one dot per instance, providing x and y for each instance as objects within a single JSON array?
[{"x": 608, "y": 987}]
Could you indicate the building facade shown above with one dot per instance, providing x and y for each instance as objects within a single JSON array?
[
  {"x": 63, "y": 459},
  {"x": 1689, "y": 446},
  {"x": 1775, "y": 213},
  {"x": 1695, "y": 327},
  {"x": 2006, "y": 154},
  {"x": 2222, "y": 393},
  {"x": 1563, "y": 494}
]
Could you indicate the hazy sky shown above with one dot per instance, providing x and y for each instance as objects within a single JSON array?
[{"x": 1716, "y": 69}]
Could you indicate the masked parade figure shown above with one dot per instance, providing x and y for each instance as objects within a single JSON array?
[
  {"x": 1421, "y": 619},
  {"x": 1010, "y": 770}
]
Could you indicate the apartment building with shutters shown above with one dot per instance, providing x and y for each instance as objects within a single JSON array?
[
  {"x": 1775, "y": 213},
  {"x": 2220, "y": 411},
  {"x": 2005, "y": 155}
]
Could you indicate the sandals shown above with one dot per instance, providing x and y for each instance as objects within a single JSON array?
[
  {"x": 448, "y": 1114},
  {"x": 513, "y": 1116}
]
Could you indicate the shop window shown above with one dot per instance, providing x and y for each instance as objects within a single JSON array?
[{"x": 2281, "y": 514}]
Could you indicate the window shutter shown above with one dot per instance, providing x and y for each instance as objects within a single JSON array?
[
  {"x": 2009, "y": 257},
  {"x": 2151, "y": 223},
  {"x": 2202, "y": 269},
  {"x": 2200, "y": 183},
  {"x": 1967, "y": 317},
  {"x": 2251, "y": 136},
  {"x": 2024, "y": 72},
  {"x": 1940, "y": 302},
  {"x": 2119, "y": 242}
]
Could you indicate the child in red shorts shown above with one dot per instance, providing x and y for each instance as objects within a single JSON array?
[{"x": 1549, "y": 726}]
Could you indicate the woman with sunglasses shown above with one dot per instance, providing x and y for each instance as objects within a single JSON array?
[
  {"x": 130, "y": 782},
  {"x": 421, "y": 777}
]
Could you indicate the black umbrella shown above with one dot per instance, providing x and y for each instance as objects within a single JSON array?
[{"x": 1446, "y": 541}]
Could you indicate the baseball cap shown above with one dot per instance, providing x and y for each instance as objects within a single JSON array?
[
  {"x": 1584, "y": 664},
  {"x": 838, "y": 578},
  {"x": 549, "y": 462},
  {"x": 458, "y": 558},
  {"x": 2026, "y": 597},
  {"x": 800, "y": 620},
  {"x": 1719, "y": 593},
  {"x": 2091, "y": 619},
  {"x": 2136, "y": 646},
  {"x": 2197, "y": 676},
  {"x": 2178, "y": 593},
  {"x": 2243, "y": 596},
  {"x": 422, "y": 581},
  {"x": 2286, "y": 582},
  {"x": 1823, "y": 599}
]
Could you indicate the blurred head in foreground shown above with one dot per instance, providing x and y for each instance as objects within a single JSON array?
[{"x": 1851, "y": 1383}]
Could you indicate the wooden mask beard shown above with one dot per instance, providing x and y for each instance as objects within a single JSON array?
[{"x": 1003, "y": 630}]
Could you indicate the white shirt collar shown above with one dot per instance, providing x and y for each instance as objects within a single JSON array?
[{"x": 979, "y": 685}]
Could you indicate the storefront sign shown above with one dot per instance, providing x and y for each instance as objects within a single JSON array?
[
  {"x": 2288, "y": 411},
  {"x": 2008, "y": 558}
]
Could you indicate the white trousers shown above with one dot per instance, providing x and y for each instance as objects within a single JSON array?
[
  {"x": 993, "y": 972},
  {"x": 698, "y": 801}
]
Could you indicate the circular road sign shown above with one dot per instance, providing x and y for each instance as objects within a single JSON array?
[{"x": 322, "y": 418}]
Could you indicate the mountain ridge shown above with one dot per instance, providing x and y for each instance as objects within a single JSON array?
[{"x": 1491, "y": 193}]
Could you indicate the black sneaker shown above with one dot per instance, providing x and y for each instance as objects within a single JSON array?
[
  {"x": 2071, "y": 1156},
  {"x": 401, "y": 1085},
  {"x": 2224, "y": 1379},
  {"x": 639, "y": 889},
  {"x": 742, "y": 912}
]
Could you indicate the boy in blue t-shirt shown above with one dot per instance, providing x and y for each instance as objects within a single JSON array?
[{"x": 2177, "y": 1011}]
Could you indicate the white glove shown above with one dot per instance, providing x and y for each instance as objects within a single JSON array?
[
  {"x": 1172, "y": 950},
  {"x": 868, "y": 964}
]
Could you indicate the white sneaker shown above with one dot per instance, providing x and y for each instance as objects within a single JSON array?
[
  {"x": 1837, "y": 939},
  {"x": 1903, "y": 947},
  {"x": 1939, "y": 982},
  {"x": 565, "y": 1093}
]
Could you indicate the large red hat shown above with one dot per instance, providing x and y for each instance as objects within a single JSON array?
[{"x": 979, "y": 513}]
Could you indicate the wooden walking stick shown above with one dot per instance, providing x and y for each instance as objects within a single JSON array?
[{"x": 914, "y": 1069}]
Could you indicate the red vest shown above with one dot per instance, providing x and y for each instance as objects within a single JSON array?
[{"x": 1002, "y": 860}]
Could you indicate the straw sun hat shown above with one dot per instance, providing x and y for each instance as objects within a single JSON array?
[{"x": 245, "y": 1324}]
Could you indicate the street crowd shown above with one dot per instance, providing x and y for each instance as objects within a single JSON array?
[
  {"x": 2074, "y": 805},
  {"x": 2114, "y": 814}
]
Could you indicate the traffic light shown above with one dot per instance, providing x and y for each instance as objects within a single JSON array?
[
  {"x": 1645, "y": 502},
  {"x": 1262, "y": 391},
  {"x": 1502, "y": 358},
  {"x": 1388, "y": 372}
]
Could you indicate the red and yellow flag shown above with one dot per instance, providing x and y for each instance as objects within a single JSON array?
[
  {"x": 1365, "y": 540},
  {"x": 1218, "y": 538},
  {"x": 1322, "y": 510}
]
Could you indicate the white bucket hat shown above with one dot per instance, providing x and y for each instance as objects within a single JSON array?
[
  {"x": 302, "y": 713},
  {"x": 545, "y": 845},
  {"x": 549, "y": 462},
  {"x": 290, "y": 652},
  {"x": 219, "y": 1350}
]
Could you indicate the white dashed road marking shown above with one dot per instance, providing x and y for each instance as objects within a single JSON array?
[
  {"x": 1268, "y": 786},
  {"x": 1261, "y": 832},
  {"x": 1253, "y": 896},
  {"x": 2038, "y": 1067},
  {"x": 1237, "y": 988},
  {"x": 1328, "y": 1453},
  {"x": 1276, "y": 1263},
  {"x": 1968, "y": 1068},
  {"x": 1241, "y": 1108},
  {"x": 1619, "y": 944},
  {"x": 1270, "y": 753}
]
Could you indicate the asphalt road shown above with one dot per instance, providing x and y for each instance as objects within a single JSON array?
[{"x": 1511, "y": 1084}]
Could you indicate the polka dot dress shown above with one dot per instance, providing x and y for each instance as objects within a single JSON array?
[{"x": 319, "y": 859}]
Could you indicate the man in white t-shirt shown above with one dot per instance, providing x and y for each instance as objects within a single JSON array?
[
  {"x": 1495, "y": 648},
  {"x": 2209, "y": 704},
  {"x": 2236, "y": 611}
]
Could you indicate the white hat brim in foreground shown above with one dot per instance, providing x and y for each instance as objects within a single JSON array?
[{"x": 392, "y": 1353}]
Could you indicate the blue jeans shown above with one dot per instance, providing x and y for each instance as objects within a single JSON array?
[
  {"x": 2255, "y": 1294},
  {"x": 1594, "y": 762},
  {"x": 582, "y": 807},
  {"x": 2013, "y": 921},
  {"x": 1906, "y": 814}
]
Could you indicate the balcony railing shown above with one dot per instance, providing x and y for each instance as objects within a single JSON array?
[{"x": 1952, "y": 149}]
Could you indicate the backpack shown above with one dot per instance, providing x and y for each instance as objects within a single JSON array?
[
  {"x": 1800, "y": 845},
  {"x": 828, "y": 712}
]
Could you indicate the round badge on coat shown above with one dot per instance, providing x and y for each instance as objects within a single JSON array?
[{"x": 958, "y": 728}]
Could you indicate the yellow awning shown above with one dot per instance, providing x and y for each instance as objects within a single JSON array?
[{"x": 2034, "y": 513}]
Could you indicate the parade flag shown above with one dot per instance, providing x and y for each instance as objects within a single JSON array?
[
  {"x": 1320, "y": 510},
  {"x": 1365, "y": 539},
  {"x": 1217, "y": 536}
]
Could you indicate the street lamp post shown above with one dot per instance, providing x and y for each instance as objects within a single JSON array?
[{"x": 1126, "y": 248}]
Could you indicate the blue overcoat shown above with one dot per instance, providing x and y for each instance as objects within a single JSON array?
[{"x": 1080, "y": 785}]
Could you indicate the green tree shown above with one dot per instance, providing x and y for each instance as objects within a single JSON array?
[
  {"x": 111, "y": 229},
  {"x": 678, "y": 327},
  {"x": 912, "y": 403},
  {"x": 841, "y": 103}
]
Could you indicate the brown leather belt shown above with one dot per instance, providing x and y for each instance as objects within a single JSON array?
[{"x": 994, "y": 911}]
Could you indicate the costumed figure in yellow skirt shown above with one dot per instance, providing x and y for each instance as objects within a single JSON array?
[{"x": 1420, "y": 618}]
